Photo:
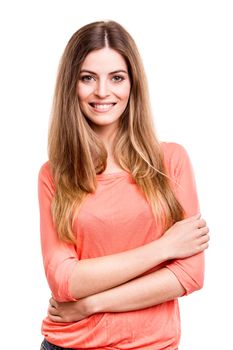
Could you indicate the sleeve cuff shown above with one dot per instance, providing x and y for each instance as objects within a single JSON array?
[{"x": 186, "y": 280}]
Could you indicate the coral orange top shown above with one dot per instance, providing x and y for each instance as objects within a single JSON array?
[{"x": 117, "y": 218}]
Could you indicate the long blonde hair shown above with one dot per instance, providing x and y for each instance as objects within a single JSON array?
[{"x": 77, "y": 154}]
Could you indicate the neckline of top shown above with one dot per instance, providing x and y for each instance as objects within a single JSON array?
[{"x": 110, "y": 175}]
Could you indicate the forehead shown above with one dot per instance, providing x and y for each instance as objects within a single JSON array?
[{"x": 104, "y": 60}]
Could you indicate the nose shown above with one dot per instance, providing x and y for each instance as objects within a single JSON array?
[{"x": 102, "y": 89}]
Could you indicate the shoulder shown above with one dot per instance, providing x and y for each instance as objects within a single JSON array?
[
  {"x": 45, "y": 175},
  {"x": 45, "y": 170},
  {"x": 175, "y": 157},
  {"x": 171, "y": 149}
]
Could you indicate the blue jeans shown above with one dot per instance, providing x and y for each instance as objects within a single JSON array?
[{"x": 48, "y": 346}]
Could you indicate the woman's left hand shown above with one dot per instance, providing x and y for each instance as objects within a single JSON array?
[{"x": 67, "y": 311}]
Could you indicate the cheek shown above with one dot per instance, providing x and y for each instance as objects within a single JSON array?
[
  {"x": 83, "y": 91},
  {"x": 124, "y": 92}
]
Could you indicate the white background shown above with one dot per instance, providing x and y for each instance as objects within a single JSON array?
[{"x": 187, "y": 49}]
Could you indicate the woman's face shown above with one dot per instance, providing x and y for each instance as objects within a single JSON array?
[{"x": 103, "y": 88}]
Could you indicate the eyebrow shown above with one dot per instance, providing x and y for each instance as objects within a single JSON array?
[{"x": 114, "y": 72}]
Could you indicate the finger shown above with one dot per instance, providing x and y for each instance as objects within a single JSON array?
[
  {"x": 52, "y": 311},
  {"x": 204, "y": 239},
  {"x": 55, "y": 318},
  {"x": 53, "y": 302},
  {"x": 199, "y": 223},
  {"x": 205, "y": 246},
  {"x": 192, "y": 218},
  {"x": 202, "y": 231}
]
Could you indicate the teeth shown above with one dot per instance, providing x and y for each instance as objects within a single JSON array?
[{"x": 102, "y": 107}]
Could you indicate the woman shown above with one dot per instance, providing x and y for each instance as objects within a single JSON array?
[{"x": 122, "y": 237}]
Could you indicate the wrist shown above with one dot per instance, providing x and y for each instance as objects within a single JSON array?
[
  {"x": 91, "y": 305},
  {"x": 163, "y": 249}
]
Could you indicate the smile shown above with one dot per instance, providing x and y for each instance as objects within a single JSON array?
[{"x": 102, "y": 107}]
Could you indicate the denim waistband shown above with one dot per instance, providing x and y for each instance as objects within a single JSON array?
[{"x": 46, "y": 345}]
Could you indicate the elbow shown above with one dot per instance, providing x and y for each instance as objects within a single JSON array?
[
  {"x": 58, "y": 281},
  {"x": 194, "y": 281},
  {"x": 200, "y": 282},
  {"x": 190, "y": 283},
  {"x": 197, "y": 283},
  {"x": 59, "y": 289},
  {"x": 189, "y": 272},
  {"x": 55, "y": 291},
  {"x": 197, "y": 274}
]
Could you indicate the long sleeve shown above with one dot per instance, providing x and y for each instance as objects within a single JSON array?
[
  {"x": 189, "y": 271},
  {"x": 59, "y": 258}
]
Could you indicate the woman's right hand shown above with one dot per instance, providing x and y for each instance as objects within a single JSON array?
[{"x": 186, "y": 238}]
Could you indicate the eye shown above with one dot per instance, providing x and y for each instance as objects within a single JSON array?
[
  {"x": 86, "y": 78},
  {"x": 118, "y": 78}
]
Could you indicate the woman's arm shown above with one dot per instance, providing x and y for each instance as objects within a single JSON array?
[
  {"x": 189, "y": 271},
  {"x": 150, "y": 290},
  {"x": 91, "y": 276},
  {"x": 70, "y": 278}
]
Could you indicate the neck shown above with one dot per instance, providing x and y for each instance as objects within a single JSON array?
[{"x": 107, "y": 136}]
